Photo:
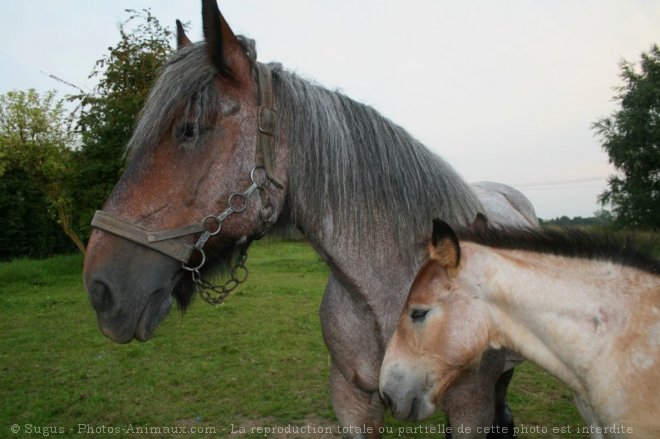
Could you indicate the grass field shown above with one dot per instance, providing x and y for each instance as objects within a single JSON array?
[{"x": 258, "y": 361}]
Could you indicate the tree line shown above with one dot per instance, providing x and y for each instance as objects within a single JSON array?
[
  {"x": 58, "y": 166},
  {"x": 602, "y": 219}
]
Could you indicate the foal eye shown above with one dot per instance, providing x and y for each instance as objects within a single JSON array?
[{"x": 418, "y": 315}]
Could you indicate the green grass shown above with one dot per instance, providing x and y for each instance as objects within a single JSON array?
[{"x": 256, "y": 361}]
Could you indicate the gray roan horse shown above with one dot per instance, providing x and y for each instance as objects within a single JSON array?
[{"x": 227, "y": 148}]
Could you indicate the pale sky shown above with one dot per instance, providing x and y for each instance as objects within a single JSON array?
[{"x": 503, "y": 90}]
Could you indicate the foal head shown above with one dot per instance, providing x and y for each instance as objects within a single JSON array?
[
  {"x": 193, "y": 146},
  {"x": 441, "y": 333}
]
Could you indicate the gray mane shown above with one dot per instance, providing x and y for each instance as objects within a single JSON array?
[
  {"x": 348, "y": 163},
  {"x": 367, "y": 173}
]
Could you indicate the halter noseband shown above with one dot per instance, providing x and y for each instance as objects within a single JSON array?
[{"x": 171, "y": 242}]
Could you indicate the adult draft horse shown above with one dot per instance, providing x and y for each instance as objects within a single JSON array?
[
  {"x": 226, "y": 148},
  {"x": 584, "y": 307}
]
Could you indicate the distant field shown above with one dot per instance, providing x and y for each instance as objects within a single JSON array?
[{"x": 256, "y": 362}]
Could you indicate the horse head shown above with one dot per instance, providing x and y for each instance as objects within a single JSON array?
[{"x": 202, "y": 180}]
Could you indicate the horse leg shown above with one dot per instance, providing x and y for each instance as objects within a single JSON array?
[
  {"x": 351, "y": 335},
  {"x": 470, "y": 403},
  {"x": 503, "y": 416}
]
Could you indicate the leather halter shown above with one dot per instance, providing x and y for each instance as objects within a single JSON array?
[{"x": 171, "y": 242}]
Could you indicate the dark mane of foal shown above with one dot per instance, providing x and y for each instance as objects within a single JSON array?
[
  {"x": 622, "y": 249},
  {"x": 349, "y": 166}
]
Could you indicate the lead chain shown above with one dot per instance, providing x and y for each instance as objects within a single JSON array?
[{"x": 216, "y": 294}]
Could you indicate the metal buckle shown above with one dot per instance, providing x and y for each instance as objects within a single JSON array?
[{"x": 267, "y": 120}]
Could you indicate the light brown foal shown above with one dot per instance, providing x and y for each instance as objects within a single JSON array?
[{"x": 583, "y": 307}]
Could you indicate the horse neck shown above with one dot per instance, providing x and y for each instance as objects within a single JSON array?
[
  {"x": 364, "y": 191},
  {"x": 564, "y": 314}
]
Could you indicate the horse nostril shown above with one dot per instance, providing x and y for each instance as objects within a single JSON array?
[{"x": 101, "y": 297}]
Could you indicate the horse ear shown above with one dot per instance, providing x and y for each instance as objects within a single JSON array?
[
  {"x": 480, "y": 223},
  {"x": 444, "y": 247},
  {"x": 222, "y": 46},
  {"x": 182, "y": 39}
]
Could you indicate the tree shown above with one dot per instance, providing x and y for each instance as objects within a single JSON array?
[
  {"x": 26, "y": 220},
  {"x": 35, "y": 141},
  {"x": 631, "y": 137},
  {"x": 107, "y": 115}
]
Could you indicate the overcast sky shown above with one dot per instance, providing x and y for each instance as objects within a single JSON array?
[{"x": 503, "y": 90}]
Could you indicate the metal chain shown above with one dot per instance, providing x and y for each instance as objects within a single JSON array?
[{"x": 216, "y": 294}]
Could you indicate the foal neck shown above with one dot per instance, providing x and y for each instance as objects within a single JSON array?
[{"x": 565, "y": 314}]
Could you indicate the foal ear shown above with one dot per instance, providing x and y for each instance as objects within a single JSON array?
[
  {"x": 182, "y": 39},
  {"x": 480, "y": 223},
  {"x": 444, "y": 247},
  {"x": 224, "y": 49}
]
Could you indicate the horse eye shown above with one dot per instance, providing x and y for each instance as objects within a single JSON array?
[
  {"x": 418, "y": 315},
  {"x": 187, "y": 133}
]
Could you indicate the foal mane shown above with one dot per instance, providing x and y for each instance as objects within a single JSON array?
[{"x": 622, "y": 249}]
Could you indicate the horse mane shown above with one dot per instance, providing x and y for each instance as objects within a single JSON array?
[
  {"x": 348, "y": 163},
  {"x": 356, "y": 170},
  {"x": 620, "y": 248}
]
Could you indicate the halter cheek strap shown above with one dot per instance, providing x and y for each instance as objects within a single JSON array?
[
  {"x": 171, "y": 242},
  {"x": 267, "y": 119}
]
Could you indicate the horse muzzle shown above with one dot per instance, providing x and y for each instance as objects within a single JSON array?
[
  {"x": 404, "y": 391},
  {"x": 131, "y": 294}
]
